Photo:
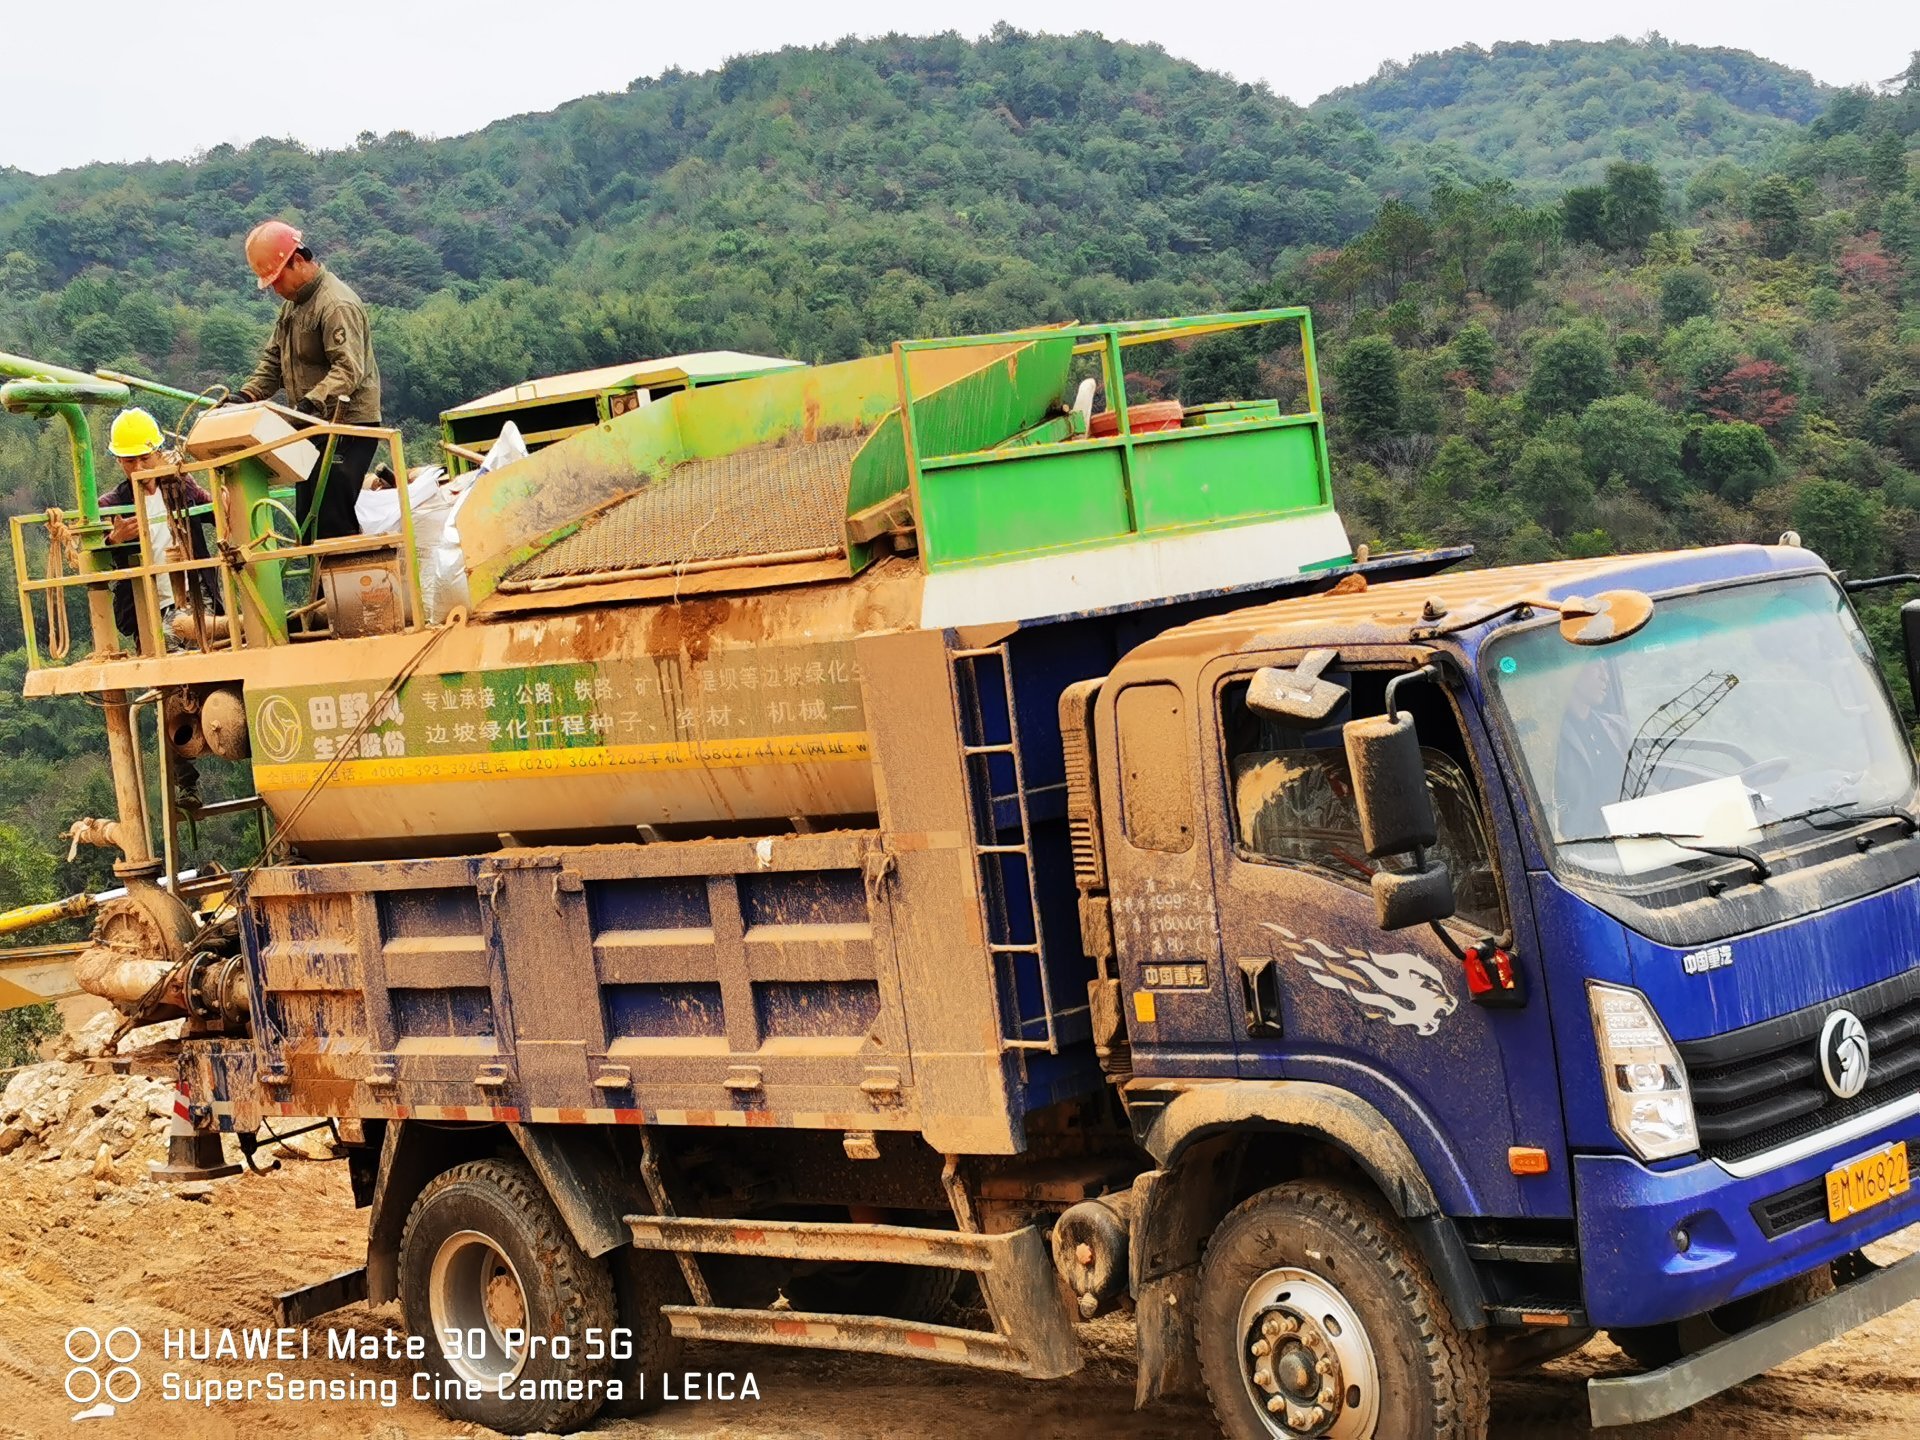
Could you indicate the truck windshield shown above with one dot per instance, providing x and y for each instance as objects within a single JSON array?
[{"x": 1736, "y": 715}]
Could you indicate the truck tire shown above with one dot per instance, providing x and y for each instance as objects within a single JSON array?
[
  {"x": 483, "y": 1252},
  {"x": 1654, "y": 1347},
  {"x": 643, "y": 1281},
  {"x": 1315, "y": 1301}
]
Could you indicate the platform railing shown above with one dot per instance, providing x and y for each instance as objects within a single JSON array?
[{"x": 256, "y": 537}]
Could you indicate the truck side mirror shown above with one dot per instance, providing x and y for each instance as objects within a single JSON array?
[
  {"x": 1910, "y": 639},
  {"x": 1396, "y": 816}
]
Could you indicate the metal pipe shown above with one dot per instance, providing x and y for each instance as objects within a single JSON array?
[
  {"x": 154, "y": 387},
  {"x": 24, "y": 367},
  {"x": 24, "y": 395},
  {"x": 136, "y": 844},
  {"x": 31, "y": 917},
  {"x": 86, "y": 491}
]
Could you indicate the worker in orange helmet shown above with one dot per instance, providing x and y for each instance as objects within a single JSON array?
[{"x": 321, "y": 355}]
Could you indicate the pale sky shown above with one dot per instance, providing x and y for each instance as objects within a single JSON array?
[{"x": 112, "y": 80}]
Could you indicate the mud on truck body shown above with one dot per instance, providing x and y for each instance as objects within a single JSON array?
[{"x": 897, "y": 859}]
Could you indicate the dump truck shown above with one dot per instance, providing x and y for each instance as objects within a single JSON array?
[{"x": 908, "y": 855}]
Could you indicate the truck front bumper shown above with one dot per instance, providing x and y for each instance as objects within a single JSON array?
[
  {"x": 1631, "y": 1399},
  {"x": 1669, "y": 1244}
]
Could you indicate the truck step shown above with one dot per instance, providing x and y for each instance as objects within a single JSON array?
[
  {"x": 819, "y": 1240},
  {"x": 1530, "y": 1313},
  {"x": 1017, "y": 1279},
  {"x": 867, "y": 1334}
]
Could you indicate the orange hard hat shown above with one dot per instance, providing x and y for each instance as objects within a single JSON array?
[{"x": 270, "y": 245}]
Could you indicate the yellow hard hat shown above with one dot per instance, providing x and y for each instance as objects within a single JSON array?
[{"x": 135, "y": 432}]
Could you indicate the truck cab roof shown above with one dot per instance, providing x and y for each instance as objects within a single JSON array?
[{"x": 1391, "y": 613}]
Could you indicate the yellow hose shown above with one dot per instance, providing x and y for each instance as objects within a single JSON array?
[{"x": 29, "y": 917}]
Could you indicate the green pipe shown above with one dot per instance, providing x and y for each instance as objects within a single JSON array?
[
  {"x": 64, "y": 398},
  {"x": 23, "y": 368},
  {"x": 86, "y": 490},
  {"x": 154, "y": 387},
  {"x": 24, "y": 395}
]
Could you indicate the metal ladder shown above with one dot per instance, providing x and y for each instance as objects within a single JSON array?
[{"x": 995, "y": 856}]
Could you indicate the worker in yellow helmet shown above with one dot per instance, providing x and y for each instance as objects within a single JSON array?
[{"x": 136, "y": 442}]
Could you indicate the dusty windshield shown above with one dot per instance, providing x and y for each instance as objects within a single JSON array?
[{"x": 1733, "y": 716}]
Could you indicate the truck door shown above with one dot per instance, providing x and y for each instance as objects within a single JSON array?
[{"x": 1323, "y": 993}]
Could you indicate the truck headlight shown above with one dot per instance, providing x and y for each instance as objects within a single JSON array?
[{"x": 1647, "y": 1096}]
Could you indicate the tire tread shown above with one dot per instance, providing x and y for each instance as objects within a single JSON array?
[
  {"x": 1455, "y": 1359},
  {"x": 584, "y": 1284}
]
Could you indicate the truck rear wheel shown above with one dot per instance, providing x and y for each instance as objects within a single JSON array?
[
  {"x": 484, "y": 1254},
  {"x": 1318, "y": 1318},
  {"x": 643, "y": 1281}
]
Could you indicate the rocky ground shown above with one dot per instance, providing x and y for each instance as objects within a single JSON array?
[{"x": 86, "y": 1239}]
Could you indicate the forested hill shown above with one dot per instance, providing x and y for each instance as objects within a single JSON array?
[
  {"x": 1558, "y": 113},
  {"x": 1712, "y": 352},
  {"x": 811, "y": 202}
]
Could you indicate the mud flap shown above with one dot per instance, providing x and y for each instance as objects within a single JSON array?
[{"x": 1168, "y": 1363}]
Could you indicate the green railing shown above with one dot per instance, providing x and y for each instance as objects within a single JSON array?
[
  {"x": 256, "y": 534},
  {"x": 997, "y": 473}
]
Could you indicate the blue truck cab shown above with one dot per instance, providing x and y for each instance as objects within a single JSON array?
[{"x": 1619, "y": 1010}]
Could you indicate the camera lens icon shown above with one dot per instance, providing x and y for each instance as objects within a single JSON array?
[{"x": 103, "y": 1365}]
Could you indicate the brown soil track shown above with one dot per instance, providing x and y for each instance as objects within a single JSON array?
[{"x": 142, "y": 1257}]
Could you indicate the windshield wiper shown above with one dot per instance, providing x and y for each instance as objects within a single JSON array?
[
  {"x": 1851, "y": 816},
  {"x": 1761, "y": 870}
]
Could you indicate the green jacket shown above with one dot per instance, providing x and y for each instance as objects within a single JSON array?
[{"x": 320, "y": 350}]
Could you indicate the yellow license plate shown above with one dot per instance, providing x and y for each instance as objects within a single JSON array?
[{"x": 1871, "y": 1180}]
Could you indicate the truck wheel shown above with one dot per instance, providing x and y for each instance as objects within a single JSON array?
[
  {"x": 1318, "y": 1318},
  {"x": 643, "y": 1281},
  {"x": 484, "y": 1253}
]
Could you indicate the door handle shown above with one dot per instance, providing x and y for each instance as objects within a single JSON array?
[{"x": 1260, "y": 995}]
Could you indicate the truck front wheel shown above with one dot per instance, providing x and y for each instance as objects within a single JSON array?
[
  {"x": 1318, "y": 1318},
  {"x": 504, "y": 1298}
]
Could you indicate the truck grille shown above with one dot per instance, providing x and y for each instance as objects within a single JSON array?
[
  {"x": 1791, "y": 1209},
  {"x": 1759, "y": 1088}
]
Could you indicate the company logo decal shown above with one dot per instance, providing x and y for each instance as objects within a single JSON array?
[
  {"x": 1400, "y": 988},
  {"x": 1701, "y": 962},
  {"x": 277, "y": 730},
  {"x": 1844, "y": 1056}
]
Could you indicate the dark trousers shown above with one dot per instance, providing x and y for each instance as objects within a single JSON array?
[
  {"x": 352, "y": 455},
  {"x": 126, "y": 614}
]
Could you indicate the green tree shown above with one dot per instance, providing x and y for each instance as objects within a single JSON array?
[
  {"x": 1367, "y": 377},
  {"x": 26, "y": 878},
  {"x": 1473, "y": 353},
  {"x": 1775, "y": 212},
  {"x": 1684, "y": 293},
  {"x": 1571, "y": 369},
  {"x": 1403, "y": 320},
  {"x": 1457, "y": 469},
  {"x": 1221, "y": 367},
  {"x": 1634, "y": 439},
  {"x": 1551, "y": 483},
  {"x": 1844, "y": 526},
  {"x": 1698, "y": 354},
  {"x": 1734, "y": 459},
  {"x": 1887, "y": 163},
  {"x": 1508, "y": 275},
  {"x": 1635, "y": 200},
  {"x": 1583, "y": 215}
]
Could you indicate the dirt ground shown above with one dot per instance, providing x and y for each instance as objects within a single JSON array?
[{"x": 85, "y": 1240}]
